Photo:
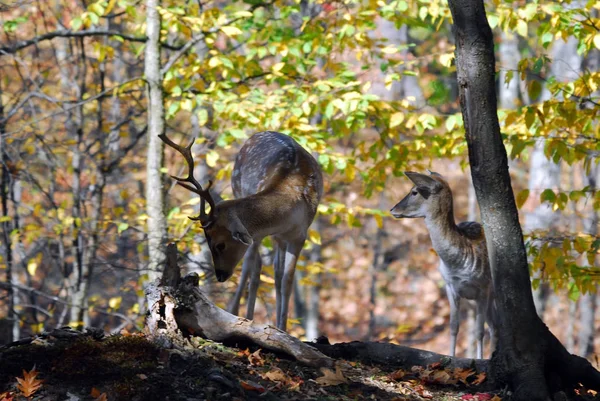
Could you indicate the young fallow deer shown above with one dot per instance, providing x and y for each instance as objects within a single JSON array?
[
  {"x": 277, "y": 185},
  {"x": 464, "y": 263}
]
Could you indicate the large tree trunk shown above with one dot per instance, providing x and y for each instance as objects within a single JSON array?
[
  {"x": 529, "y": 358},
  {"x": 157, "y": 225}
]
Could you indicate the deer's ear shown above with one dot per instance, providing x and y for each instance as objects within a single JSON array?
[
  {"x": 423, "y": 183},
  {"x": 239, "y": 232}
]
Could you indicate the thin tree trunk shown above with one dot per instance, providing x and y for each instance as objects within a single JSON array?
[
  {"x": 508, "y": 52},
  {"x": 75, "y": 128},
  {"x": 544, "y": 173},
  {"x": 5, "y": 183},
  {"x": 587, "y": 303},
  {"x": 157, "y": 224}
]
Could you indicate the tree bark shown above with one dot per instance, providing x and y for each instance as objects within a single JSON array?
[
  {"x": 529, "y": 358},
  {"x": 157, "y": 225}
]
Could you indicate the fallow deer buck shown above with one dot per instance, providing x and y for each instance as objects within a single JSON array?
[
  {"x": 277, "y": 185},
  {"x": 461, "y": 248}
]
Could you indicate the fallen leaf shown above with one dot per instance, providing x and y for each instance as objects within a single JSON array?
[
  {"x": 442, "y": 377},
  {"x": 480, "y": 379},
  {"x": 330, "y": 378},
  {"x": 398, "y": 374},
  {"x": 142, "y": 376},
  {"x": 463, "y": 374},
  {"x": 245, "y": 352},
  {"x": 6, "y": 396},
  {"x": 256, "y": 359},
  {"x": 29, "y": 384},
  {"x": 423, "y": 392},
  {"x": 276, "y": 375},
  {"x": 98, "y": 396},
  {"x": 479, "y": 397},
  {"x": 251, "y": 386}
]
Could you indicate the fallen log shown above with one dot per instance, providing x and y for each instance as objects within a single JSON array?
[
  {"x": 397, "y": 356},
  {"x": 176, "y": 306}
]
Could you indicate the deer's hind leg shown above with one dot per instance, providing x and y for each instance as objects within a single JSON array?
[
  {"x": 491, "y": 317},
  {"x": 454, "y": 300},
  {"x": 480, "y": 317}
]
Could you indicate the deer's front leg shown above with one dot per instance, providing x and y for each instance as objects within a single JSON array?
[
  {"x": 252, "y": 266},
  {"x": 234, "y": 303},
  {"x": 279, "y": 267},
  {"x": 454, "y": 300},
  {"x": 292, "y": 251}
]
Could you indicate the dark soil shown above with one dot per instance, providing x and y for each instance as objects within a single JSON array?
[{"x": 131, "y": 368}]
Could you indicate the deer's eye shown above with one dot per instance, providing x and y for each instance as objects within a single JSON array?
[{"x": 220, "y": 247}]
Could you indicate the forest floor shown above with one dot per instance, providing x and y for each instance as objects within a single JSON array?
[{"x": 129, "y": 367}]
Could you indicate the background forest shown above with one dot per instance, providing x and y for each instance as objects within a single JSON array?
[{"x": 368, "y": 87}]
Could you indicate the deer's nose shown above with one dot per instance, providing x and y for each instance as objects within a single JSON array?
[{"x": 222, "y": 275}]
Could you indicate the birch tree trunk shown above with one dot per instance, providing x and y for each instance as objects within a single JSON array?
[
  {"x": 157, "y": 224},
  {"x": 544, "y": 173}
]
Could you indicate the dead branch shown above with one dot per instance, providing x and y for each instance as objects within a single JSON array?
[{"x": 178, "y": 306}]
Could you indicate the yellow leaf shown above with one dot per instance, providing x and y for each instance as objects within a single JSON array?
[
  {"x": 396, "y": 119},
  {"x": 277, "y": 67},
  {"x": 109, "y": 7},
  {"x": 379, "y": 220},
  {"x": 389, "y": 50},
  {"x": 32, "y": 267},
  {"x": 231, "y": 30},
  {"x": 314, "y": 236},
  {"x": 522, "y": 198},
  {"x": 115, "y": 302},
  {"x": 522, "y": 28},
  {"x": 446, "y": 59},
  {"x": 211, "y": 158},
  {"x": 597, "y": 40},
  {"x": 214, "y": 62}
]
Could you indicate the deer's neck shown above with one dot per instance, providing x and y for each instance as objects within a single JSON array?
[
  {"x": 445, "y": 237},
  {"x": 265, "y": 213}
]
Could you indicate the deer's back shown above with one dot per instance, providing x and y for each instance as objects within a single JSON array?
[{"x": 271, "y": 161}]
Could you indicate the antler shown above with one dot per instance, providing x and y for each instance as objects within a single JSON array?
[{"x": 186, "y": 152}]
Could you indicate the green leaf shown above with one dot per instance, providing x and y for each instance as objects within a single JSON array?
[
  {"x": 534, "y": 89},
  {"x": 548, "y": 196}
]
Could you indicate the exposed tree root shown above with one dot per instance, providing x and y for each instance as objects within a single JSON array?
[
  {"x": 548, "y": 371},
  {"x": 177, "y": 305}
]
